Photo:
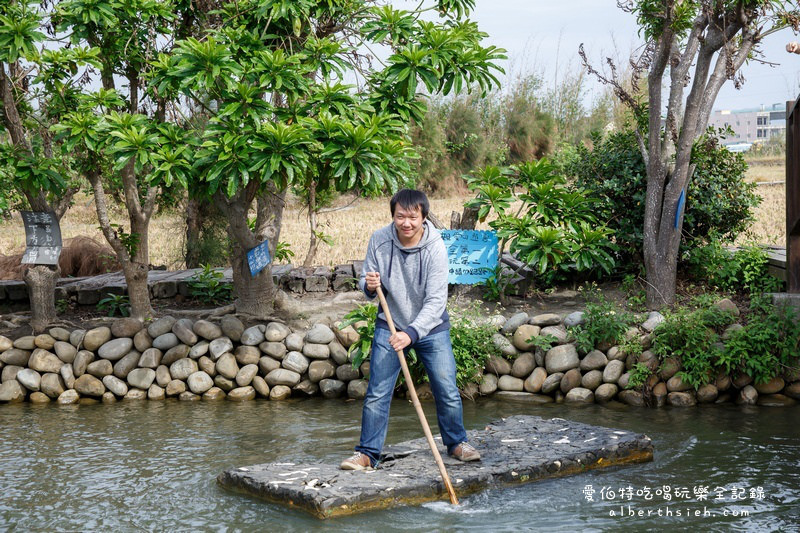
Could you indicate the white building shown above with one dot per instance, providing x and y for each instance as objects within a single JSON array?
[{"x": 751, "y": 125}]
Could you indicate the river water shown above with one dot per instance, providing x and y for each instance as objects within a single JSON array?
[{"x": 151, "y": 466}]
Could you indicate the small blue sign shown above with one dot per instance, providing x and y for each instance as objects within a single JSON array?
[
  {"x": 472, "y": 255},
  {"x": 258, "y": 258}
]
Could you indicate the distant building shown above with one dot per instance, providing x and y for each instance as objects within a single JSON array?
[{"x": 751, "y": 125}]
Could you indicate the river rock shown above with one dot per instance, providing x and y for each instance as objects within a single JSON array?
[
  {"x": 156, "y": 393},
  {"x": 772, "y": 386},
  {"x": 535, "y": 381},
  {"x": 44, "y": 341},
  {"x": 214, "y": 394},
  {"x": 523, "y": 365},
  {"x": 95, "y": 338},
  {"x": 44, "y": 361},
  {"x": 347, "y": 336},
  {"x": 108, "y": 397},
  {"x": 319, "y": 370},
  {"x": 276, "y": 332},
  {"x": 242, "y": 394},
  {"x": 559, "y": 332},
  {"x": 623, "y": 381},
  {"x": 226, "y": 366},
  {"x": 510, "y": 383},
  {"x": 514, "y": 322},
  {"x": 347, "y": 373},
  {"x": 571, "y": 379},
  {"x": 124, "y": 366},
  {"x": 332, "y": 388},
  {"x": 631, "y": 397},
  {"x": 545, "y": 319},
  {"x": 592, "y": 379},
  {"x": 267, "y": 365},
  {"x": 76, "y": 337},
  {"x": 247, "y": 355},
  {"x": 27, "y": 342},
  {"x": 726, "y": 305},
  {"x": 142, "y": 340},
  {"x": 338, "y": 353},
  {"x": 113, "y": 350},
  {"x": 653, "y": 320},
  {"x": 357, "y": 389},
  {"x": 316, "y": 351},
  {"x": 594, "y": 360},
  {"x": 166, "y": 341},
  {"x": 574, "y": 319},
  {"x": 161, "y": 326},
  {"x": 561, "y": 358},
  {"x": 115, "y": 385},
  {"x": 747, "y": 396},
  {"x": 498, "y": 365},
  {"x": 282, "y": 376},
  {"x": 12, "y": 392},
  {"x": 253, "y": 336},
  {"x": 126, "y": 327},
  {"x": 232, "y": 327},
  {"x": 246, "y": 374},
  {"x": 294, "y": 342},
  {"x": 151, "y": 358},
  {"x": 792, "y": 390},
  {"x": 82, "y": 360},
  {"x": 707, "y": 394},
  {"x": 65, "y": 351},
  {"x": 16, "y": 357},
  {"x": 67, "y": 375},
  {"x": 279, "y": 392},
  {"x": 198, "y": 350},
  {"x": 29, "y": 378},
  {"x": 615, "y": 353},
  {"x": 742, "y": 380},
  {"x": 135, "y": 395},
  {"x": 199, "y": 382},
  {"x": 89, "y": 385},
  {"x": 100, "y": 369},
  {"x": 10, "y": 372},
  {"x": 681, "y": 399},
  {"x": 189, "y": 396},
  {"x": 142, "y": 378},
  {"x": 224, "y": 383},
  {"x": 69, "y": 397},
  {"x": 364, "y": 369},
  {"x": 669, "y": 367},
  {"x": 552, "y": 382},
  {"x": 183, "y": 368},
  {"x": 613, "y": 371},
  {"x": 59, "y": 334},
  {"x": 523, "y": 335},
  {"x": 775, "y": 400},
  {"x": 676, "y": 384},
  {"x": 5, "y": 344},
  {"x": 307, "y": 387},
  {"x": 660, "y": 394},
  {"x": 181, "y": 351},
  {"x": 38, "y": 398},
  {"x": 207, "y": 330},
  {"x": 207, "y": 365},
  {"x": 276, "y": 350},
  {"x": 261, "y": 387},
  {"x": 488, "y": 384},
  {"x": 220, "y": 346},
  {"x": 162, "y": 376},
  {"x": 605, "y": 392},
  {"x": 502, "y": 343},
  {"x": 579, "y": 395},
  {"x": 184, "y": 330},
  {"x": 319, "y": 334},
  {"x": 175, "y": 387}
]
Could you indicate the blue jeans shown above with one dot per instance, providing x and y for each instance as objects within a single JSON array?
[{"x": 436, "y": 354}]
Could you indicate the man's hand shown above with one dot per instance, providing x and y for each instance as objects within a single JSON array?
[
  {"x": 373, "y": 281},
  {"x": 399, "y": 341}
]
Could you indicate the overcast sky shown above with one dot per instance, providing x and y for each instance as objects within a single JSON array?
[{"x": 541, "y": 34}]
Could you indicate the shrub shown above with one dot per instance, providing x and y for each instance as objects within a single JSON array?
[
  {"x": 744, "y": 270},
  {"x": 603, "y": 323},
  {"x": 719, "y": 200},
  {"x": 208, "y": 286},
  {"x": 114, "y": 304}
]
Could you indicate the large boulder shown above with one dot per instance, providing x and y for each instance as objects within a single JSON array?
[
  {"x": 44, "y": 361},
  {"x": 523, "y": 365},
  {"x": 282, "y": 376},
  {"x": 200, "y": 382},
  {"x": 561, "y": 358},
  {"x": 320, "y": 334},
  {"x": 89, "y": 385},
  {"x": 535, "y": 381},
  {"x": 142, "y": 378},
  {"x": 126, "y": 327},
  {"x": 183, "y": 368},
  {"x": 95, "y": 338}
]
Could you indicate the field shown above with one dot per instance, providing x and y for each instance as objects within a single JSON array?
[{"x": 351, "y": 226}]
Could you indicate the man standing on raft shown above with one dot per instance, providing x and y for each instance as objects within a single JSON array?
[{"x": 408, "y": 260}]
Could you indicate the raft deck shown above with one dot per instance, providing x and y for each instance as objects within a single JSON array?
[{"x": 518, "y": 449}]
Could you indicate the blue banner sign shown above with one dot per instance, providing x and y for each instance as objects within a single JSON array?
[
  {"x": 471, "y": 255},
  {"x": 258, "y": 258}
]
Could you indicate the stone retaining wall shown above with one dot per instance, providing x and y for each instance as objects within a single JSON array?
[{"x": 193, "y": 360}]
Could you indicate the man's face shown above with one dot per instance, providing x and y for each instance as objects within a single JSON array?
[{"x": 408, "y": 223}]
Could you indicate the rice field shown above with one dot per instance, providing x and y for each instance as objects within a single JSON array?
[{"x": 351, "y": 226}]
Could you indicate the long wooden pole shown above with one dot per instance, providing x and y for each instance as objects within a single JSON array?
[{"x": 418, "y": 406}]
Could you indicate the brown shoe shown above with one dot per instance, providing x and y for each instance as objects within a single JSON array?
[
  {"x": 466, "y": 452},
  {"x": 358, "y": 461}
]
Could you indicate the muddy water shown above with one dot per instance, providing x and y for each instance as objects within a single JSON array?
[{"x": 151, "y": 466}]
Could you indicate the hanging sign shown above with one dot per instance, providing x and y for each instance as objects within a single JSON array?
[
  {"x": 258, "y": 258},
  {"x": 471, "y": 255},
  {"x": 42, "y": 238}
]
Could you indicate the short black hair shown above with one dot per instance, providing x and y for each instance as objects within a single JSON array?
[{"x": 410, "y": 199}]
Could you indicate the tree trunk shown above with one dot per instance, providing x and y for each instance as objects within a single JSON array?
[
  {"x": 313, "y": 243},
  {"x": 194, "y": 224},
  {"x": 41, "y": 283},
  {"x": 254, "y": 294},
  {"x": 138, "y": 293},
  {"x": 662, "y": 268}
]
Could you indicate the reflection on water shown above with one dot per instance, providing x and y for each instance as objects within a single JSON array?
[{"x": 136, "y": 466}]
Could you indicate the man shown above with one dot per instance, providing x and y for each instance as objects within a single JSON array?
[{"x": 408, "y": 260}]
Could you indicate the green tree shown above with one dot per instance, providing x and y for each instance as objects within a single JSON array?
[
  {"x": 38, "y": 85},
  {"x": 694, "y": 45},
  {"x": 292, "y": 96}
]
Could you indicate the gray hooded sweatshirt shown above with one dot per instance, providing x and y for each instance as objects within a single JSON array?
[{"x": 414, "y": 280}]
